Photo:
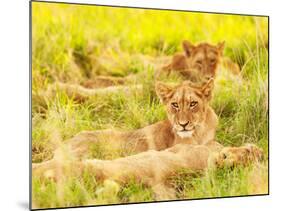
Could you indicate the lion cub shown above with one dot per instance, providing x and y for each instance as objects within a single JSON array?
[
  {"x": 153, "y": 168},
  {"x": 190, "y": 120},
  {"x": 197, "y": 63},
  {"x": 184, "y": 140}
]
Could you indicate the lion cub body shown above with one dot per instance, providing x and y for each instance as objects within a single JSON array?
[
  {"x": 199, "y": 62},
  {"x": 158, "y": 136},
  {"x": 200, "y": 124}
]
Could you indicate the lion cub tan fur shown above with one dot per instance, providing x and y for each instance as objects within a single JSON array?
[
  {"x": 199, "y": 62},
  {"x": 154, "y": 168},
  {"x": 190, "y": 120},
  {"x": 184, "y": 140}
]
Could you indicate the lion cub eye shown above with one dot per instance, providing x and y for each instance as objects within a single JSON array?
[
  {"x": 213, "y": 61},
  {"x": 199, "y": 62},
  {"x": 193, "y": 104},
  {"x": 175, "y": 105}
]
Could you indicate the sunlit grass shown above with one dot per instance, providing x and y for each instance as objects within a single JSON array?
[{"x": 121, "y": 42}]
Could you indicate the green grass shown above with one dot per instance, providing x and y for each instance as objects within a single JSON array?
[{"x": 121, "y": 42}]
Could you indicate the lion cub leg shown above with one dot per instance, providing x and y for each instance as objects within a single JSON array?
[
  {"x": 165, "y": 70},
  {"x": 125, "y": 169},
  {"x": 103, "y": 81},
  {"x": 80, "y": 93},
  {"x": 82, "y": 144},
  {"x": 177, "y": 64},
  {"x": 74, "y": 150}
]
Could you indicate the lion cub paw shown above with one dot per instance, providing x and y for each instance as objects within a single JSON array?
[{"x": 233, "y": 156}]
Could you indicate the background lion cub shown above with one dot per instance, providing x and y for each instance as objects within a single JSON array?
[{"x": 199, "y": 62}]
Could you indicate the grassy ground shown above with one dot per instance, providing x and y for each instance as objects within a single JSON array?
[{"x": 120, "y": 42}]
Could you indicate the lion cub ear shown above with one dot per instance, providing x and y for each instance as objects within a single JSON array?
[
  {"x": 207, "y": 89},
  {"x": 188, "y": 47},
  {"x": 220, "y": 46},
  {"x": 164, "y": 92}
]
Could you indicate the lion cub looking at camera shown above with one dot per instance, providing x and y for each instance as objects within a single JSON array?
[{"x": 190, "y": 120}]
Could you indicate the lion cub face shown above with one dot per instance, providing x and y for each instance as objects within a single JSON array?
[
  {"x": 186, "y": 105},
  {"x": 202, "y": 59}
]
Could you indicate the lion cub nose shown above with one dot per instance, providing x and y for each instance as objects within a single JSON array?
[{"x": 184, "y": 124}]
